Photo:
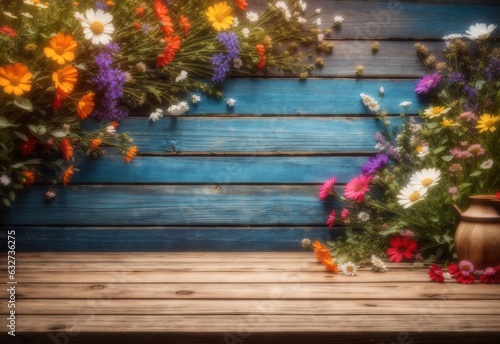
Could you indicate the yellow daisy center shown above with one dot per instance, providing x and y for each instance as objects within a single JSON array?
[
  {"x": 349, "y": 268},
  {"x": 219, "y": 17},
  {"x": 426, "y": 182},
  {"x": 97, "y": 27},
  {"x": 414, "y": 196},
  {"x": 15, "y": 81},
  {"x": 489, "y": 123},
  {"x": 59, "y": 50}
]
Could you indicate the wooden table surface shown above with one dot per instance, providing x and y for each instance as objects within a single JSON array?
[{"x": 239, "y": 298}]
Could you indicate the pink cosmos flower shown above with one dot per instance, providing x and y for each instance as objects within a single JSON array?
[
  {"x": 490, "y": 275},
  {"x": 463, "y": 272},
  {"x": 427, "y": 83},
  {"x": 327, "y": 189},
  {"x": 476, "y": 149},
  {"x": 331, "y": 219},
  {"x": 357, "y": 187}
]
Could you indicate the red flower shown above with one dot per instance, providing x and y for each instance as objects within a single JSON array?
[
  {"x": 139, "y": 12},
  {"x": 137, "y": 26},
  {"x": 260, "y": 49},
  {"x": 59, "y": 98},
  {"x": 357, "y": 187},
  {"x": 8, "y": 31},
  {"x": 262, "y": 62},
  {"x": 327, "y": 188},
  {"x": 490, "y": 275},
  {"x": 27, "y": 147},
  {"x": 462, "y": 275},
  {"x": 185, "y": 24},
  {"x": 402, "y": 247},
  {"x": 168, "y": 54},
  {"x": 161, "y": 10},
  {"x": 66, "y": 149},
  {"x": 331, "y": 219},
  {"x": 241, "y": 4},
  {"x": 28, "y": 178},
  {"x": 435, "y": 273}
]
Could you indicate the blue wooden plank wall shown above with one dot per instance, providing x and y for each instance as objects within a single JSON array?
[{"x": 246, "y": 178}]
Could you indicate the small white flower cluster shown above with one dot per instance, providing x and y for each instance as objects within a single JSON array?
[
  {"x": 182, "y": 76},
  {"x": 252, "y": 17},
  {"x": 230, "y": 102},
  {"x": 246, "y": 32},
  {"x": 179, "y": 109},
  {"x": 377, "y": 264},
  {"x": 156, "y": 115},
  {"x": 302, "y": 5},
  {"x": 306, "y": 243},
  {"x": 369, "y": 102},
  {"x": 337, "y": 21},
  {"x": 284, "y": 8}
]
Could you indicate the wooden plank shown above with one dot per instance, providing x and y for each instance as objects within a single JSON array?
[
  {"x": 218, "y": 170},
  {"x": 314, "y": 97},
  {"x": 161, "y": 205},
  {"x": 142, "y": 277},
  {"x": 258, "y": 291},
  {"x": 165, "y": 239},
  {"x": 239, "y": 307},
  {"x": 249, "y": 135},
  {"x": 258, "y": 322},
  {"x": 401, "y": 19}
]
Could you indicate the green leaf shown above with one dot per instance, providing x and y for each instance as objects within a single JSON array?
[
  {"x": 5, "y": 124},
  {"x": 439, "y": 149},
  {"x": 432, "y": 125},
  {"x": 447, "y": 157},
  {"x": 479, "y": 84},
  {"x": 58, "y": 133},
  {"x": 21, "y": 136},
  {"x": 475, "y": 174},
  {"x": 33, "y": 162},
  {"x": 17, "y": 165},
  {"x": 24, "y": 103},
  {"x": 12, "y": 195},
  {"x": 6, "y": 202}
]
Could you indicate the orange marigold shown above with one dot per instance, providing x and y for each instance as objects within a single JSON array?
[
  {"x": 66, "y": 176},
  {"x": 137, "y": 26},
  {"x": 62, "y": 48},
  {"x": 322, "y": 252},
  {"x": 168, "y": 54},
  {"x": 262, "y": 62},
  {"x": 95, "y": 143},
  {"x": 28, "y": 178},
  {"x": 140, "y": 12},
  {"x": 66, "y": 149},
  {"x": 132, "y": 151},
  {"x": 59, "y": 98},
  {"x": 261, "y": 50},
  {"x": 85, "y": 105},
  {"x": 330, "y": 266},
  {"x": 186, "y": 25},
  {"x": 15, "y": 78},
  {"x": 241, "y": 4},
  {"x": 65, "y": 78},
  {"x": 161, "y": 10}
]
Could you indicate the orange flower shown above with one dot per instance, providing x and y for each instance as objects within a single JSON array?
[
  {"x": 261, "y": 50},
  {"x": 241, "y": 4},
  {"x": 27, "y": 177},
  {"x": 95, "y": 143},
  {"x": 65, "y": 78},
  {"x": 137, "y": 26},
  {"x": 114, "y": 124},
  {"x": 110, "y": 3},
  {"x": 132, "y": 151},
  {"x": 85, "y": 105},
  {"x": 262, "y": 62},
  {"x": 140, "y": 12},
  {"x": 161, "y": 10},
  {"x": 15, "y": 78},
  {"x": 66, "y": 176},
  {"x": 61, "y": 48},
  {"x": 66, "y": 149},
  {"x": 28, "y": 147},
  {"x": 185, "y": 24},
  {"x": 168, "y": 54},
  {"x": 331, "y": 266},
  {"x": 321, "y": 251}
]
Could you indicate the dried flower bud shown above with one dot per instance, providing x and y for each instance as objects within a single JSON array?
[
  {"x": 381, "y": 91},
  {"x": 304, "y": 75},
  {"x": 375, "y": 47},
  {"x": 319, "y": 62},
  {"x": 359, "y": 71},
  {"x": 430, "y": 60},
  {"x": 441, "y": 66},
  {"x": 49, "y": 195},
  {"x": 421, "y": 49}
]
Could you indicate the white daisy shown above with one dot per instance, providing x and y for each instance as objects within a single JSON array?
[
  {"x": 405, "y": 104},
  {"x": 486, "y": 164},
  {"x": 422, "y": 151},
  {"x": 9, "y": 14},
  {"x": 480, "y": 31},
  {"x": 252, "y": 16},
  {"x": 195, "y": 98},
  {"x": 41, "y": 6},
  {"x": 182, "y": 76},
  {"x": 179, "y": 109},
  {"x": 425, "y": 178},
  {"x": 27, "y": 14},
  {"x": 301, "y": 20},
  {"x": 156, "y": 115},
  {"x": 5, "y": 180},
  {"x": 363, "y": 216},
  {"x": 378, "y": 264},
  {"x": 349, "y": 269},
  {"x": 408, "y": 196},
  {"x": 337, "y": 20},
  {"x": 97, "y": 26},
  {"x": 230, "y": 102}
]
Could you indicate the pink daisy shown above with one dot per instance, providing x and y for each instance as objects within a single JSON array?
[
  {"x": 435, "y": 273},
  {"x": 357, "y": 187},
  {"x": 327, "y": 189},
  {"x": 490, "y": 275},
  {"x": 331, "y": 219},
  {"x": 427, "y": 83},
  {"x": 463, "y": 272},
  {"x": 344, "y": 214}
]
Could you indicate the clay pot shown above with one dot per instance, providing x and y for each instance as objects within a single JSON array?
[{"x": 477, "y": 238}]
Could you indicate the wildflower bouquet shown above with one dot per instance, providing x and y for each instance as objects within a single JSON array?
[
  {"x": 401, "y": 203},
  {"x": 62, "y": 62}
]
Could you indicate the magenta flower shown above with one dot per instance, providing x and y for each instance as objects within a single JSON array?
[
  {"x": 357, "y": 187},
  {"x": 344, "y": 214},
  {"x": 327, "y": 189},
  {"x": 428, "y": 82},
  {"x": 331, "y": 219}
]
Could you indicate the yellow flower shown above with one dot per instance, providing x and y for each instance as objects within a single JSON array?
[
  {"x": 219, "y": 15},
  {"x": 65, "y": 78},
  {"x": 435, "y": 111},
  {"x": 61, "y": 49},
  {"x": 85, "y": 105},
  {"x": 15, "y": 78},
  {"x": 449, "y": 123},
  {"x": 487, "y": 122}
]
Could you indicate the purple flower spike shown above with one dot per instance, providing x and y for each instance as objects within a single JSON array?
[{"x": 427, "y": 83}]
